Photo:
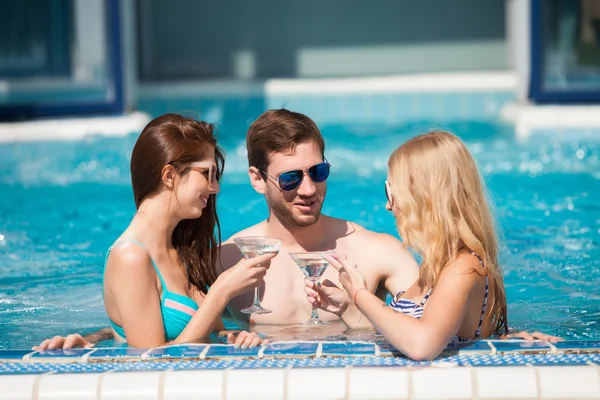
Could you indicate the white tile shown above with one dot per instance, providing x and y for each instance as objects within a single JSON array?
[
  {"x": 378, "y": 383},
  {"x": 506, "y": 382},
  {"x": 572, "y": 382},
  {"x": 255, "y": 384},
  {"x": 69, "y": 386},
  {"x": 316, "y": 384},
  {"x": 130, "y": 385},
  {"x": 442, "y": 383},
  {"x": 17, "y": 387},
  {"x": 187, "y": 385}
]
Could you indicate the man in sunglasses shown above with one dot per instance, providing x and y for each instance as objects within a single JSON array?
[{"x": 288, "y": 166}]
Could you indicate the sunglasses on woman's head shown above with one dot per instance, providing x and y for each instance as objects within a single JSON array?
[{"x": 291, "y": 180}]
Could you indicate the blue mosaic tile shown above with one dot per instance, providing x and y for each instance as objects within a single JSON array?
[
  {"x": 183, "y": 351},
  {"x": 348, "y": 349},
  {"x": 229, "y": 351},
  {"x": 292, "y": 355},
  {"x": 117, "y": 352},
  {"x": 520, "y": 346},
  {"x": 302, "y": 349},
  {"x": 495, "y": 360},
  {"x": 142, "y": 366},
  {"x": 387, "y": 350},
  {"x": 23, "y": 369},
  {"x": 556, "y": 360},
  {"x": 60, "y": 353},
  {"x": 478, "y": 360},
  {"x": 14, "y": 354},
  {"x": 581, "y": 345},
  {"x": 475, "y": 347}
]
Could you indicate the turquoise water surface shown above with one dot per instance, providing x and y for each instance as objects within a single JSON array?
[{"x": 62, "y": 205}]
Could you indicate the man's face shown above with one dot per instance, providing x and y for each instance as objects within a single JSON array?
[{"x": 301, "y": 206}]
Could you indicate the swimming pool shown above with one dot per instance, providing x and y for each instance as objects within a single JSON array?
[{"x": 62, "y": 204}]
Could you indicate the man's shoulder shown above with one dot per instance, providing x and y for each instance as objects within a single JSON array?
[
  {"x": 254, "y": 230},
  {"x": 380, "y": 246},
  {"x": 374, "y": 238},
  {"x": 229, "y": 253},
  {"x": 356, "y": 232}
]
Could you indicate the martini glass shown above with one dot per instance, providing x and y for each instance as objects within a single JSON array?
[
  {"x": 313, "y": 265},
  {"x": 253, "y": 246}
]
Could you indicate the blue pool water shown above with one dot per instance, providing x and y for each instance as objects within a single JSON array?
[{"x": 62, "y": 204}]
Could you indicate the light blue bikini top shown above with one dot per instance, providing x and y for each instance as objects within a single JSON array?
[{"x": 177, "y": 310}]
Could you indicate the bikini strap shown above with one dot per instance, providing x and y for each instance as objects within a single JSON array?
[
  {"x": 426, "y": 297},
  {"x": 478, "y": 257},
  {"x": 398, "y": 295},
  {"x": 162, "y": 281},
  {"x": 478, "y": 332}
]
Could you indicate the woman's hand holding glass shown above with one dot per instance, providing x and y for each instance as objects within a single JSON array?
[
  {"x": 327, "y": 296},
  {"x": 245, "y": 275},
  {"x": 350, "y": 277}
]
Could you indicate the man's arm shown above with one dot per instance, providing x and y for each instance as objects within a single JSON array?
[
  {"x": 399, "y": 269},
  {"x": 394, "y": 267}
]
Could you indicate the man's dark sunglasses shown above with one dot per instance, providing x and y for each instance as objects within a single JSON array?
[{"x": 291, "y": 180}]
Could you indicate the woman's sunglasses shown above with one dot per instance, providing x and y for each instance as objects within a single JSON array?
[
  {"x": 205, "y": 167},
  {"x": 291, "y": 180},
  {"x": 388, "y": 193}
]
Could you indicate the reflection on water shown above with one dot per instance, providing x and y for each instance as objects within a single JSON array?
[
  {"x": 308, "y": 332},
  {"x": 334, "y": 331}
]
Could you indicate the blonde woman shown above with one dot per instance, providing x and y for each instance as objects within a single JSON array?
[{"x": 439, "y": 201}]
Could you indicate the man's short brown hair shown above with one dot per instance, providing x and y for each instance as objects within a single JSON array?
[{"x": 280, "y": 131}]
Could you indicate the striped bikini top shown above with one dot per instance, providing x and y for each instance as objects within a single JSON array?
[
  {"x": 414, "y": 309},
  {"x": 177, "y": 310}
]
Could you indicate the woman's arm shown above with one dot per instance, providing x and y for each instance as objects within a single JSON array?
[
  {"x": 131, "y": 296},
  {"x": 131, "y": 282},
  {"x": 419, "y": 339},
  {"x": 245, "y": 275}
]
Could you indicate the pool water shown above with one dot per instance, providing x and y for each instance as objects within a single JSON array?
[{"x": 62, "y": 205}]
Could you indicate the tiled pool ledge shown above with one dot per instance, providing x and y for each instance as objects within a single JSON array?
[
  {"x": 299, "y": 370},
  {"x": 296, "y": 350}
]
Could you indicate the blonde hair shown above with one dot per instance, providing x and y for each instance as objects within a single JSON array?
[{"x": 442, "y": 210}]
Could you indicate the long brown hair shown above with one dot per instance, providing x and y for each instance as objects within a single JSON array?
[
  {"x": 177, "y": 140},
  {"x": 444, "y": 210}
]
